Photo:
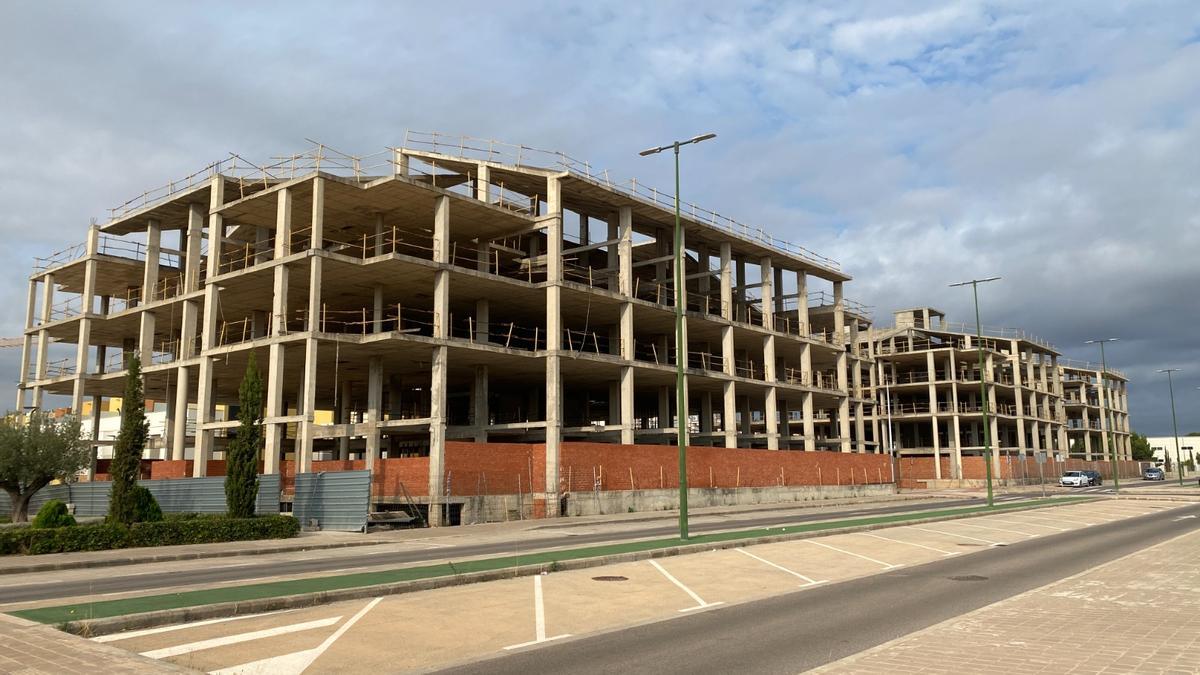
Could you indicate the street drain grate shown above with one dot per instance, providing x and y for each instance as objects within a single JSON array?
[
  {"x": 610, "y": 578},
  {"x": 969, "y": 577}
]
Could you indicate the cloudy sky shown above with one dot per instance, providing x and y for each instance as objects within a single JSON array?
[{"x": 919, "y": 143}]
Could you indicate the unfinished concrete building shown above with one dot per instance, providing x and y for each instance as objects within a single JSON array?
[
  {"x": 452, "y": 290},
  {"x": 929, "y": 395},
  {"x": 1096, "y": 402}
]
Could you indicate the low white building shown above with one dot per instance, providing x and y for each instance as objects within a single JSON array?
[{"x": 1163, "y": 448}]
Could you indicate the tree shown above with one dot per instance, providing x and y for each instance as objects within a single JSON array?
[
  {"x": 127, "y": 451},
  {"x": 35, "y": 450},
  {"x": 1141, "y": 448},
  {"x": 241, "y": 458}
]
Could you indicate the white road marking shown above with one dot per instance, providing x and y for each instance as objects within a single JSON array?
[
  {"x": 1017, "y": 522},
  {"x": 961, "y": 536},
  {"x": 1182, "y": 518},
  {"x": 539, "y": 618},
  {"x": 296, "y": 662},
  {"x": 167, "y": 652},
  {"x": 910, "y": 543},
  {"x": 167, "y": 629},
  {"x": 996, "y": 529},
  {"x": 1056, "y": 520},
  {"x": 700, "y": 603},
  {"x": 834, "y": 548},
  {"x": 810, "y": 582}
]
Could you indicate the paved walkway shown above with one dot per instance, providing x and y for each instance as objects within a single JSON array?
[
  {"x": 28, "y": 648},
  {"x": 1137, "y": 614}
]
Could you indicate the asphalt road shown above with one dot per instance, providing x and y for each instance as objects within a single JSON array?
[
  {"x": 248, "y": 568},
  {"x": 797, "y": 631}
]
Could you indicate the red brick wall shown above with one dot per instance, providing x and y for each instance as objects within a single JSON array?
[{"x": 656, "y": 466}]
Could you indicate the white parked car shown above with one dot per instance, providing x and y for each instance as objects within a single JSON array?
[{"x": 1074, "y": 479}]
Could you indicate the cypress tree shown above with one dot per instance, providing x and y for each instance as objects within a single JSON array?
[
  {"x": 241, "y": 458},
  {"x": 127, "y": 451}
]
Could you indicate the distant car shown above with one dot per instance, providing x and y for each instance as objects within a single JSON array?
[
  {"x": 1074, "y": 479},
  {"x": 1153, "y": 473},
  {"x": 1094, "y": 477}
]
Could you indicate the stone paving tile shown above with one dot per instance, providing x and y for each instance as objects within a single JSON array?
[
  {"x": 28, "y": 648},
  {"x": 1137, "y": 614}
]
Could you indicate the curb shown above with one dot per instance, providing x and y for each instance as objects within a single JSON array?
[
  {"x": 117, "y": 624},
  {"x": 673, "y": 514},
  {"x": 173, "y": 557}
]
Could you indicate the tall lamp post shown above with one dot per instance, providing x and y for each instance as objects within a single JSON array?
[
  {"x": 1104, "y": 410},
  {"x": 987, "y": 432},
  {"x": 1174, "y": 423},
  {"x": 680, "y": 347}
]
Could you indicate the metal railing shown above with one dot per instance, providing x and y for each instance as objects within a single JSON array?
[{"x": 478, "y": 149}]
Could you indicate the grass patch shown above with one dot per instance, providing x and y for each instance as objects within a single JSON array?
[{"x": 151, "y": 603}]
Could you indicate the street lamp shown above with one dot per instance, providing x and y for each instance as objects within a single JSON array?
[
  {"x": 987, "y": 434},
  {"x": 1105, "y": 412},
  {"x": 1174, "y": 423},
  {"x": 680, "y": 347}
]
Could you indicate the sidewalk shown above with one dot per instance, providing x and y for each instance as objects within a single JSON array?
[
  {"x": 309, "y": 541},
  {"x": 30, "y": 648},
  {"x": 1137, "y": 614}
]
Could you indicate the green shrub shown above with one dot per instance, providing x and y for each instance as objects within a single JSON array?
[
  {"x": 170, "y": 532},
  {"x": 145, "y": 506},
  {"x": 53, "y": 514}
]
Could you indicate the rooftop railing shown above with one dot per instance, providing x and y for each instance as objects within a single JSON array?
[{"x": 479, "y": 149}]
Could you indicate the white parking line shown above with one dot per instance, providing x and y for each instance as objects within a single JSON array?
[
  {"x": 811, "y": 582},
  {"x": 910, "y": 543},
  {"x": 1018, "y": 522},
  {"x": 834, "y": 548},
  {"x": 296, "y": 662},
  {"x": 961, "y": 536},
  {"x": 167, "y": 652},
  {"x": 1059, "y": 519},
  {"x": 167, "y": 629},
  {"x": 539, "y": 618},
  {"x": 996, "y": 529},
  {"x": 700, "y": 603}
]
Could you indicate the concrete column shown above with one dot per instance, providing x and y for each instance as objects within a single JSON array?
[
  {"x": 785, "y": 425},
  {"x": 208, "y": 331},
  {"x": 480, "y": 403},
  {"x": 770, "y": 407},
  {"x": 624, "y": 264},
  {"x": 991, "y": 404},
  {"x": 149, "y": 284},
  {"x": 483, "y": 186},
  {"x": 374, "y": 410},
  {"x": 482, "y": 325},
  {"x": 437, "y": 436},
  {"x": 43, "y": 347},
  {"x": 179, "y": 422},
  {"x": 706, "y": 413},
  {"x": 728, "y": 418},
  {"x": 806, "y": 404},
  {"x": 192, "y": 254},
  {"x": 343, "y": 415},
  {"x": 726, "y": 273},
  {"x": 87, "y": 300},
  {"x": 627, "y": 415},
  {"x": 839, "y": 313},
  {"x": 843, "y": 400},
  {"x": 802, "y": 301},
  {"x": 26, "y": 344},
  {"x": 307, "y": 402},
  {"x": 554, "y": 248},
  {"x": 377, "y": 310},
  {"x": 274, "y": 431},
  {"x": 955, "y": 429},
  {"x": 860, "y": 440}
]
